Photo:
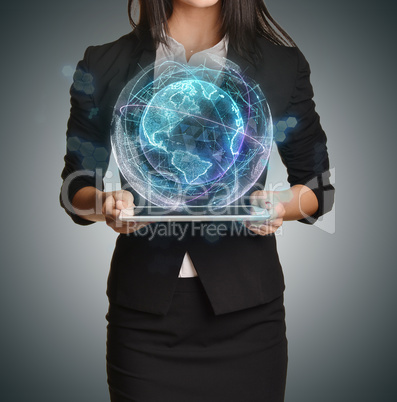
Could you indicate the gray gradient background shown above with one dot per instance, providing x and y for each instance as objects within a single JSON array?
[{"x": 340, "y": 296}]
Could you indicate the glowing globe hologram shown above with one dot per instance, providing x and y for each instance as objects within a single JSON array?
[
  {"x": 192, "y": 136},
  {"x": 193, "y": 129}
]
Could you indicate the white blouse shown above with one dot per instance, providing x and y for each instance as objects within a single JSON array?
[{"x": 176, "y": 52}]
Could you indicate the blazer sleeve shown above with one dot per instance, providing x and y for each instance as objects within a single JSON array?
[
  {"x": 87, "y": 141},
  {"x": 302, "y": 146}
]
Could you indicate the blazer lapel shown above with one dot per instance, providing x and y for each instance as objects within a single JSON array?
[
  {"x": 143, "y": 55},
  {"x": 128, "y": 65},
  {"x": 146, "y": 58},
  {"x": 246, "y": 67}
]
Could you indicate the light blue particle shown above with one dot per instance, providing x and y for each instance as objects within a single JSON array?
[
  {"x": 86, "y": 148},
  {"x": 100, "y": 154},
  {"x": 83, "y": 82},
  {"x": 89, "y": 163},
  {"x": 94, "y": 111},
  {"x": 68, "y": 71},
  {"x": 292, "y": 122},
  {"x": 281, "y": 125},
  {"x": 89, "y": 89},
  {"x": 73, "y": 143},
  {"x": 280, "y": 136}
]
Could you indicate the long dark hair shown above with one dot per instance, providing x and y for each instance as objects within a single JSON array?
[{"x": 242, "y": 20}]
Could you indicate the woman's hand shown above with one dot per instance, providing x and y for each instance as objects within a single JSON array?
[
  {"x": 113, "y": 203},
  {"x": 270, "y": 201}
]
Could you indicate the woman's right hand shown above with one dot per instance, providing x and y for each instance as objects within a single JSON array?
[{"x": 113, "y": 203}]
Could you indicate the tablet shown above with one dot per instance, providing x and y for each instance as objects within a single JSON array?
[{"x": 197, "y": 214}]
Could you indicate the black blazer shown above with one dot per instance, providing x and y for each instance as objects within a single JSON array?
[{"x": 237, "y": 268}]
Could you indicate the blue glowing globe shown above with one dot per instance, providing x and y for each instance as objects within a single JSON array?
[
  {"x": 191, "y": 132},
  {"x": 193, "y": 135}
]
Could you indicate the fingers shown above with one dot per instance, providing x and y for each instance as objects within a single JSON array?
[
  {"x": 276, "y": 211},
  {"x": 262, "y": 199},
  {"x": 266, "y": 200},
  {"x": 259, "y": 198},
  {"x": 114, "y": 203},
  {"x": 124, "y": 199},
  {"x": 117, "y": 201},
  {"x": 109, "y": 206},
  {"x": 124, "y": 203}
]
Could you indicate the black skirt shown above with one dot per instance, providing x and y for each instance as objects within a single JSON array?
[{"x": 193, "y": 355}]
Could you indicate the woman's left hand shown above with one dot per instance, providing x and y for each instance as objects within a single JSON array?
[{"x": 270, "y": 201}]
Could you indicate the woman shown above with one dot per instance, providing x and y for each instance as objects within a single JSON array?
[{"x": 195, "y": 316}]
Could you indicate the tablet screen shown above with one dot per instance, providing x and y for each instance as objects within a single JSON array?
[{"x": 197, "y": 214}]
